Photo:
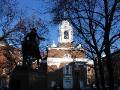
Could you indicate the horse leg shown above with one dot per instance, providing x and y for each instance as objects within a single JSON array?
[
  {"x": 38, "y": 63},
  {"x": 29, "y": 64}
]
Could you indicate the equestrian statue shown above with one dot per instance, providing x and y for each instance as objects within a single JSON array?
[{"x": 30, "y": 48}]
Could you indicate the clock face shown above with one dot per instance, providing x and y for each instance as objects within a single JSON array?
[{"x": 66, "y": 35}]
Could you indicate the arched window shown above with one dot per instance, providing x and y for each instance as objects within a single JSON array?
[{"x": 66, "y": 35}]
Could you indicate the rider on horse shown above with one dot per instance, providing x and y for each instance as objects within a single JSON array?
[{"x": 30, "y": 48}]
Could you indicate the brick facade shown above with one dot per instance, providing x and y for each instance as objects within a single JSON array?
[
  {"x": 9, "y": 58},
  {"x": 61, "y": 52},
  {"x": 78, "y": 68}
]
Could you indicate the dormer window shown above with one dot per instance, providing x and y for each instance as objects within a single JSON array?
[{"x": 66, "y": 35}]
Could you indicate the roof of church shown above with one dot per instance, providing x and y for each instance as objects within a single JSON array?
[{"x": 65, "y": 46}]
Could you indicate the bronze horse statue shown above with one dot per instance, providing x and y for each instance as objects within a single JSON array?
[{"x": 30, "y": 48}]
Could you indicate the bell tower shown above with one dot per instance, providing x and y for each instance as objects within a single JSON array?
[{"x": 65, "y": 32}]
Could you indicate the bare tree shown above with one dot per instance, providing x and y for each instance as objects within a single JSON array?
[
  {"x": 13, "y": 29},
  {"x": 97, "y": 25},
  {"x": 7, "y": 16},
  {"x": 24, "y": 26}
]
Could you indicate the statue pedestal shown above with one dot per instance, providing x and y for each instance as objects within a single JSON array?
[{"x": 24, "y": 78}]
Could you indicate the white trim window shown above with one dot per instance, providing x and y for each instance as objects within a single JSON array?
[
  {"x": 66, "y": 34},
  {"x": 67, "y": 70}
]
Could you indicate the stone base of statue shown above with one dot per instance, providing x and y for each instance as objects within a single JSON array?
[{"x": 25, "y": 78}]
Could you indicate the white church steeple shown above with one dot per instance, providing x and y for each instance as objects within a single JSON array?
[{"x": 65, "y": 32}]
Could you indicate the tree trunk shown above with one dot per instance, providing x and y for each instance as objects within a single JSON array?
[
  {"x": 101, "y": 71},
  {"x": 109, "y": 61},
  {"x": 110, "y": 70},
  {"x": 96, "y": 75}
]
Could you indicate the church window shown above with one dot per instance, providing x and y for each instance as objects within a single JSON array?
[
  {"x": 67, "y": 70},
  {"x": 66, "y": 35}
]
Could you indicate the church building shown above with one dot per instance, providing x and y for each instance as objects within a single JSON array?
[{"x": 67, "y": 64}]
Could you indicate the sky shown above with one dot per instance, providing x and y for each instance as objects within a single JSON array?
[{"x": 41, "y": 9}]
